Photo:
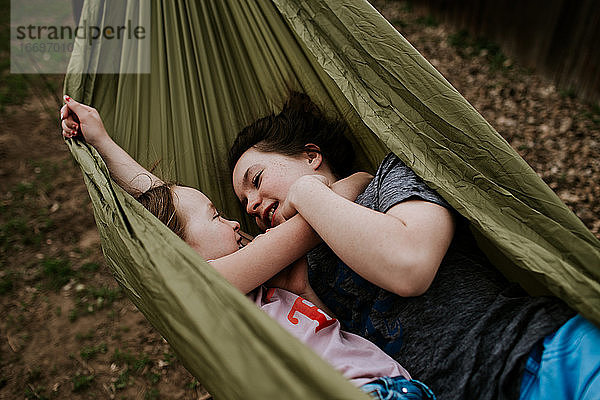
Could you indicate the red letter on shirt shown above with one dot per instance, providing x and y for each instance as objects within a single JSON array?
[{"x": 311, "y": 312}]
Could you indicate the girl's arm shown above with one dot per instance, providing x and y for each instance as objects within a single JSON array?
[
  {"x": 270, "y": 253},
  {"x": 267, "y": 255},
  {"x": 247, "y": 268},
  {"x": 77, "y": 119},
  {"x": 399, "y": 251}
]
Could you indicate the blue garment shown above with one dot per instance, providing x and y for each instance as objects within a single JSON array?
[
  {"x": 398, "y": 388},
  {"x": 566, "y": 365}
]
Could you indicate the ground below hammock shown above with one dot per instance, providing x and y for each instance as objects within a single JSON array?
[{"x": 67, "y": 331}]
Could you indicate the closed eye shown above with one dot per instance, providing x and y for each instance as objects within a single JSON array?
[{"x": 256, "y": 180}]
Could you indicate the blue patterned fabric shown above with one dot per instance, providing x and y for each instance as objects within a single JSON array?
[
  {"x": 370, "y": 304},
  {"x": 398, "y": 388}
]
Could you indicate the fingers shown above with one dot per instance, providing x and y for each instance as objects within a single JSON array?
[
  {"x": 70, "y": 127},
  {"x": 68, "y": 124},
  {"x": 81, "y": 120},
  {"x": 68, "y": 114}
]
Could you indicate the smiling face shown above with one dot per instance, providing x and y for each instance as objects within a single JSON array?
[
  {"x": 211, "y": 235},
  {"x": 262, "y": 180}
]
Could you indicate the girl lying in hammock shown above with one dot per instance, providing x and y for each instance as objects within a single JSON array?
[
  {"x": 401, "y": 269},
  {"x": 192, "y": 216}
]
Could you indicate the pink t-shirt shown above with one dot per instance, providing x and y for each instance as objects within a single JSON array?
[{"x": 355, "y": 357}]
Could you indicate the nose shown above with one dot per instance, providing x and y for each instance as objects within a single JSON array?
[{"x": 253, "y": 205}]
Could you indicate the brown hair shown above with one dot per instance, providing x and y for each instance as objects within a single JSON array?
[
  {"x": 159, "y": 200},
  {"x": 300, "y": 122}
]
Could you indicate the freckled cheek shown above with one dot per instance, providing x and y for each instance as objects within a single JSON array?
[{"x": 278, "y": 186}]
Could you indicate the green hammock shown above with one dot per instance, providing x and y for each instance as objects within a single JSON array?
[{"x": 217, "y": 66}]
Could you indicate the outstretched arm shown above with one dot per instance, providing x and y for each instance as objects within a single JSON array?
[
  {"x": 79, "y": 119},
  {"x": 245, "y": 269}
]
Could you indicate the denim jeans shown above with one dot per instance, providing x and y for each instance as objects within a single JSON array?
[
  {"x": 398, "y": 388},
  {"x": 566, "y": 365}
]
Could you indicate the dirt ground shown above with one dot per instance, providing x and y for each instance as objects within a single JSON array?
[{"x": 66, "y": 329}]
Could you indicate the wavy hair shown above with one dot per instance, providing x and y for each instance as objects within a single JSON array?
[{"x": 300, "y": 122}]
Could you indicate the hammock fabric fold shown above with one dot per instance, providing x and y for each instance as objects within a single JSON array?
[{"x": 217, "y": 66}]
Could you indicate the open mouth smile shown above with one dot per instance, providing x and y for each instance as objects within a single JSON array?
[{"x": 269, "y": 214}]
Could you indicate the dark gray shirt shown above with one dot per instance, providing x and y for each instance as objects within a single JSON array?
[{"x": 469, "y": 335}]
